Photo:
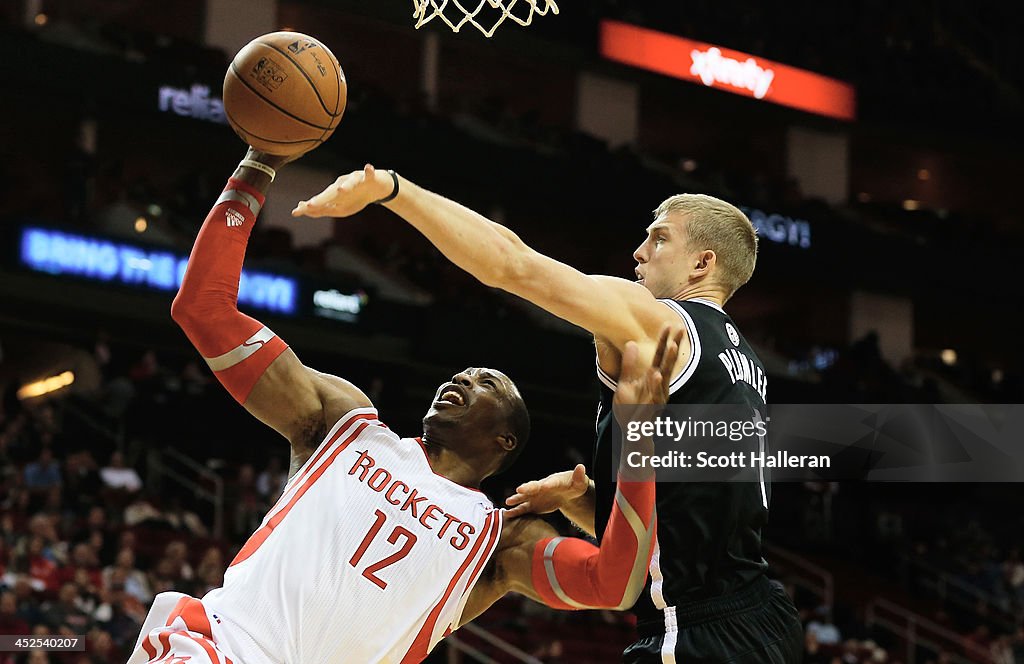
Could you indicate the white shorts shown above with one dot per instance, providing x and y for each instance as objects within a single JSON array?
[{"x": 177, "y": 630}]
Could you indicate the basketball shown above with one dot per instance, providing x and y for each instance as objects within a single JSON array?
[{"x": 284, "y": 93}]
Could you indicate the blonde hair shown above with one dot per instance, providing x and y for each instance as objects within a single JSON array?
[{"x": 721, "y": 227}]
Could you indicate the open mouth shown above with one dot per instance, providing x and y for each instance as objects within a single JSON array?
[
  {"x": 451, "y": 396},
  {"x": 639, "y": 277}
]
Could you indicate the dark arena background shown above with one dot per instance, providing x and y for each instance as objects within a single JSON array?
[{"x": 887, "y": 203}]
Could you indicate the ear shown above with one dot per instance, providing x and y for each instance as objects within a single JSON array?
[
  {"x": 508, "y": 441},
  {"x": 705, "y": 260}
]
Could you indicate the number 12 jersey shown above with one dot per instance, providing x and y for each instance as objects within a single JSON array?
[{"x": 368, "y": 556}]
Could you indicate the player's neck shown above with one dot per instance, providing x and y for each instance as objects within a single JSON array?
[
  {"x": 448, "y": 464},
  {"x": 701, "y": 292}
]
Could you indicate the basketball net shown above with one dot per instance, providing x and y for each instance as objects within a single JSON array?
[{"x": 455, "y": 14}]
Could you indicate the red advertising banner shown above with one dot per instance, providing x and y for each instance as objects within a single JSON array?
[{"x": 725, "y": 69}]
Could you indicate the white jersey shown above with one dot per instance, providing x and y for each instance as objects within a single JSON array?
[{"x": 368, "y": 556}]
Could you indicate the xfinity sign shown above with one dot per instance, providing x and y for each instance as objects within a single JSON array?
[
  {"x": 713, "y": 67},
  {"x": 193, "y": 103},
  {"x": 727, "y": 70}
]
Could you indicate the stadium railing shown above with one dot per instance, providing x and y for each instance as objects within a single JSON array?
[
  {"x": 803, "y": 573},
  {"x": 172, "y": 465},
  {"x": 918, "y": 632},
  {"x": 964, "y": 595},
  {"x": 459, "y": 646}
]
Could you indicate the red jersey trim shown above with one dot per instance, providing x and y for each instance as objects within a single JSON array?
[
  {"x": 420, "y": 647},
  {"x": 260, "y": 536},
  {"x": 492, "y": 544},
  {"x": 336, "y": 431}
]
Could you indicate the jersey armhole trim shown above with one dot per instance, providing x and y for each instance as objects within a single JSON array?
[
  {"x": 346, "y": 420},
  {"x": 691, "y": 330},
  {"x": 603, "y": 376},
  {"x": 482, "y": 563},
  {"x": 691, "y": 364}
]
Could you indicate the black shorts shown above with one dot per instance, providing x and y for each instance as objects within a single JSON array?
[{"x": 758, "y": 625}]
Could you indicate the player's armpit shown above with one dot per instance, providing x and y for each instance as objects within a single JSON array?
[
  {"x": 300, "y": 403},
  {"x": 509, "y": 568}
]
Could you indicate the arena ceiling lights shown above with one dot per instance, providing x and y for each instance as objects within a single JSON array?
[{"x": 728, "y": 70}]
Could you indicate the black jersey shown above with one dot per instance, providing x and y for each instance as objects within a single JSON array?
[{"x": 709, "y": 533}]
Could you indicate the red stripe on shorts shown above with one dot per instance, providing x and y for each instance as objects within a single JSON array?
[{"x": 148, "y": 647}]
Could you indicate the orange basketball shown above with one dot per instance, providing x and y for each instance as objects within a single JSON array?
[{"x": 284, "y": 93}]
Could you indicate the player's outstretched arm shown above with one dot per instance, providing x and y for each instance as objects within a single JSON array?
[
  {"x": 249, "y": 359},
  {"x": 611, "y": 308},
  {"x": 571, "y": 573}
]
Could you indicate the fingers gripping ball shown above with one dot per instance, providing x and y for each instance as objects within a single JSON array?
[{"x": 284, "y": 93}]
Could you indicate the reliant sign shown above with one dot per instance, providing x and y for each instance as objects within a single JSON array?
[
  {"x": 727, "y": 70},
  {"x": 193, "y": 103}
]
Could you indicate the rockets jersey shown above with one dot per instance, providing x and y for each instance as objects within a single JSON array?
[
  {"x": 708, "y": 542},
  {"x": 368, "y": 556}
]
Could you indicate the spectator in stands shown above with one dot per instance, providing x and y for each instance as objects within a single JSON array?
[
  {"x": 143, "y": 510},
  {"x": 1002, "y": 650},
  {"x": 94, "y": 531},
  {"x": 34, "y": 562},
  {"x": 88, "y": 592},
  {"x": 824, "y": 631},
  {"x": 184, "y": 520},
  {"x": 11, "y": 621},
  {"x": 65, "y": 610},
  {"x": 249, "y": 507},
  {"x": 38, "y": 657},
  {"x": 177, "y": 553},
  {"x": 551, "y": 653},
  {"x": 83, "y": 558},
  {"x": 210, "y": 572},
  {"x": 980, "y": 637},
  {"x": 271, "y": 481},
  {"x": 28, "y": 607},
  {"x": 100, "y": 645},
  {"x": 162, "y": 578},
  {"x": 813, "y": 653},
  {"x": 135, "y": 582},
  {"x": 1013, "y": 573},
  {"x": 43, "y": 473},
  {"x": 118, "y": 476},
  {"x": 120, "y": 614},
  {"x": 83, "y": 482}
]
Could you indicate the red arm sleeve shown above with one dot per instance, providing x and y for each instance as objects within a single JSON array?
[
  {"x": 238, "y": 348},
  {"x": 571, "y": 573}
]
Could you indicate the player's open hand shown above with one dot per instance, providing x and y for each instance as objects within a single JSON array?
[
  {"x": 646, "y": 386},
  {"x": 549, "y": 494},
  {"x": 347, "y": 195}
]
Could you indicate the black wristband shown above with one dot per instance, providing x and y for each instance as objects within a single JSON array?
[{"x": 394, "y": 193}]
